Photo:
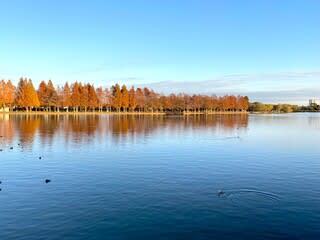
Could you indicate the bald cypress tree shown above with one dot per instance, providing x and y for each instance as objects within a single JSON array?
[
  {"x": 52, "y": 95},
  {"x": 132, "y": 99},
  {"x": 93, "y": 100},
  {"x": 101, "y": 97},
  {"x": 32, "y": 96},
  {"x": 124, "y": 98},
  {"x": 26, "y": 95},
  {"x": 42, "y": 94},
  {"x": 2, "y": 93},
  {"x": 84, "y": 99},
  {"x": 66, "y": 96},
  {"x": 75, "y": 96},
  {"x": 20, "y": 99},
  {"x": 116, "y": 94}
]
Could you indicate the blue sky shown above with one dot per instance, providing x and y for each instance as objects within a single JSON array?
[{"x": 264, "y": 49}]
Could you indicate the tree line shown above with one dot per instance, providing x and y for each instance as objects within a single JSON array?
[
  {"x": 281, "y": 108},
  {"x": 83, "y": 97}
]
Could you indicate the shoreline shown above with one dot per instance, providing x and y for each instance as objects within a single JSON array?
[{"x": 124, "y": 113}]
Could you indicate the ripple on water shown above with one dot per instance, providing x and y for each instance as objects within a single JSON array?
[{"x": 250, "y": 197}]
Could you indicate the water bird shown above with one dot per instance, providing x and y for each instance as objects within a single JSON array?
[
  {"x": 0, "y": 182},
  {"x": 47, "y": 180},
  {"x": 11, "y": 148},
  {"x": 220, "y": 192},
  {"x": 1, "y": 150},
  {"x": 40, "y": 157}
]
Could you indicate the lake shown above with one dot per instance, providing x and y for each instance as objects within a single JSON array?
[{"x": 160, "y": 177}]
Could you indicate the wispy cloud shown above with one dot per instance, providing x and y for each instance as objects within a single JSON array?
[
  {"x": 281, "y": 75},
  {"x": 294, "y": 87}
]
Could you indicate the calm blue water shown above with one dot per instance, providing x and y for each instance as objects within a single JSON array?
[{"x": 157, "y": 177}]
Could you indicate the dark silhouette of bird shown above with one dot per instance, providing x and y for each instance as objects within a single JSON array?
[
  {"x": 11, "y": 148},
  {"x": 220, "y": 192},
  {"x": 0, "y": 182},
  {"x": 40, "y": 157},
  {"x": 47, "y": 180},
  {"x": 1, "y": 150}
]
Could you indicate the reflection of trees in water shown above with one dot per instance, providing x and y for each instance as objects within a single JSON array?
[
  {"x": 225, "y": 121},
  {"x": 314, "y": 122},
  {"x": 26, "y": 125},
  {"x": 145, "y": 124},
  {"x": 6, "y": 129},
  {"x": 79, "y": 128},
  {"x": 48, "y": 127},
  {"x": 133, "y": 124},
  {"x": 139, "y": 125}
]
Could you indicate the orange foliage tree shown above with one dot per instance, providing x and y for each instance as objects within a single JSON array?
[
  {"x": 116, "y": 97},
  {"x": 26, "y": 96},
  {"x": 124, "y": 98},
  {"x": 85, "y": 97},
  {"x": 7, "y": 92}
]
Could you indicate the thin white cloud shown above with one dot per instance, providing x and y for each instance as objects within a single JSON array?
[{"x": 293, "y": 87}]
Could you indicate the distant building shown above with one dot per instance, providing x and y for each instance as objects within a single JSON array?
[{"x": 312, "y": 102}]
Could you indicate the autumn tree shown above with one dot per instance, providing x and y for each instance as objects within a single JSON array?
[
  {"x": 93, "y": 100},
  {"x": 243, "y": 103},
  {"x": 140, "y": 99},
  {"x": 7, "y": 92},
  {"x": 108, "y": 98},
  {"x": 116, "y": 93},
  {"x": 42, "y": 94},
  {"x": 66, "y": 97},
  {"x": 214, "y": 103},
  {"x": 75, "y": 95},
  {"x": 84, "y": 99},
  {"x": 132, "y": 99},
  {"x": 60, "y": 96},
  {"x": 2, "y": 93},
  {"x": 124, "y": 98},
  {"x": 47, "y": 95},
  {"x": 52, "y": 95},
  {"x": 101, "y": 95},
  {"x": 152, "y": 100},
  {"x": 26, "y": 95}
]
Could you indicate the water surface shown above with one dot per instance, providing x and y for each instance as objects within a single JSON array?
[{"x": 157, "y": 177}]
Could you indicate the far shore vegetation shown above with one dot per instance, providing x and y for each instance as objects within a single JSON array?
[
  {"x": 85, "y": 98},
  {"x": 258, "y": 107}
]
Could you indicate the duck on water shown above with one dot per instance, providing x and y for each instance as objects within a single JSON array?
[{"x": 220, "y": 192}]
